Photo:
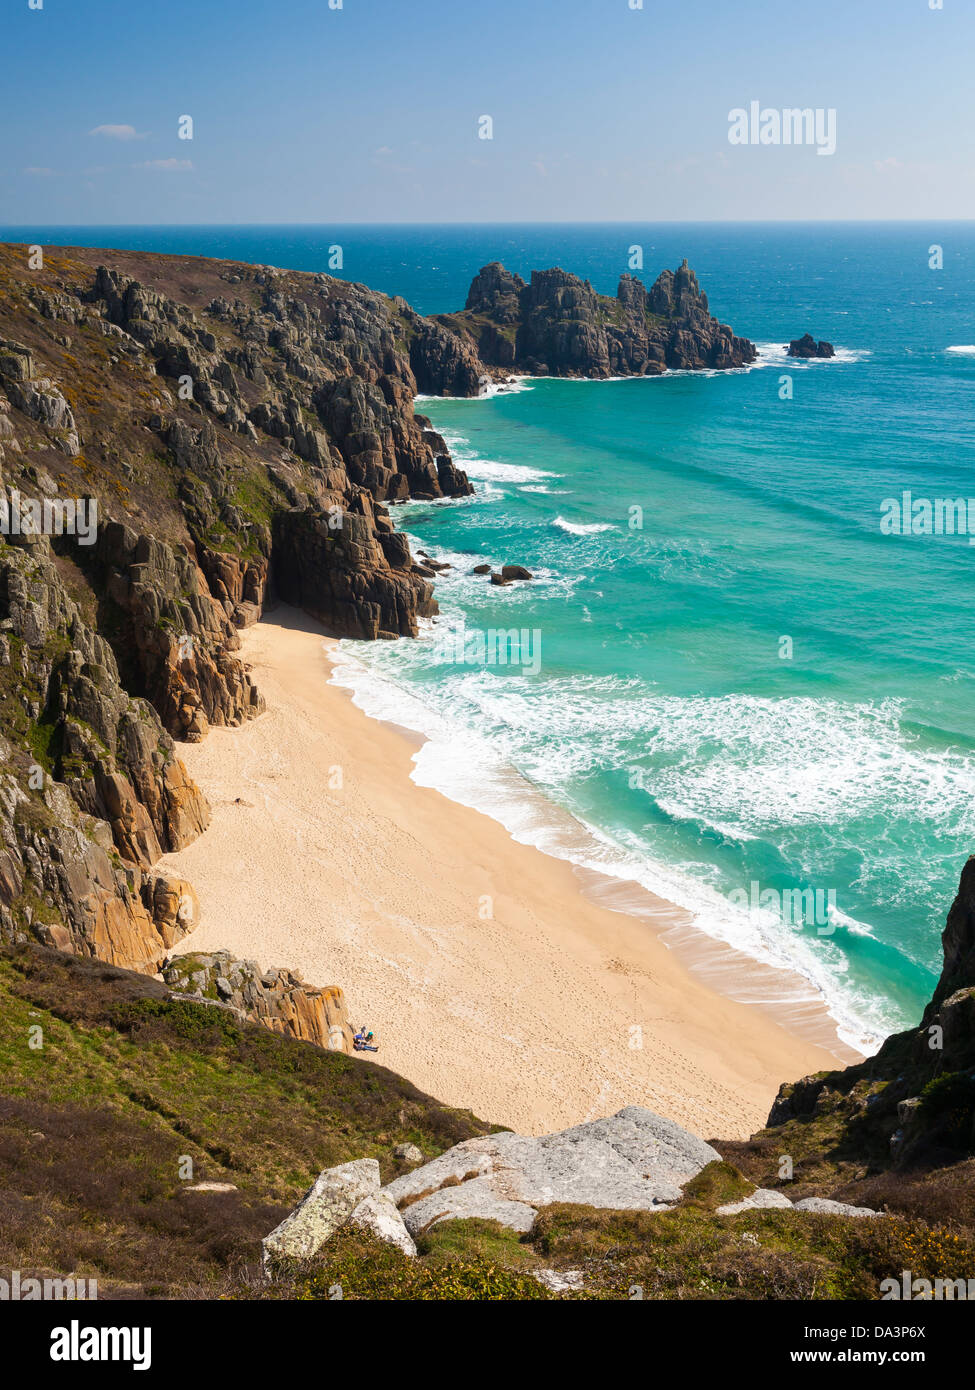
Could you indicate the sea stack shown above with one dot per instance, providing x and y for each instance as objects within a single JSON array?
[
  {"x": 558, "y": 325},
  {"x": 807, "y": 346}
]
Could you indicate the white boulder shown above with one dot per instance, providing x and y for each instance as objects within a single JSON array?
[
  {"x": 326, "y": 1206},
  {"x": 378, "y": 1214}
]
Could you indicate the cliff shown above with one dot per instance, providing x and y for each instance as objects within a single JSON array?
[
  {"x": 181, "y": 442},
  {"x": 278, "y": 999},
  {"x": 557, "y": 325},
  {"x": 899, "y": 1128}
]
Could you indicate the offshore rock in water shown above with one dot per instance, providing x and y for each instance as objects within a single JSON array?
[
  {"x": 558, "y": 325},
  {"x": 807, "y": 346}
]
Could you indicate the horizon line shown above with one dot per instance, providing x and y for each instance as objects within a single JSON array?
[{"x": 558, "y": 222}]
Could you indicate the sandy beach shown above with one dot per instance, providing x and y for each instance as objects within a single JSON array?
[{"x": 492, "y": 974}]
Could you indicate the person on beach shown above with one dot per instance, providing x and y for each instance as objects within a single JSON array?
[{"x": 362, "y": 1041}]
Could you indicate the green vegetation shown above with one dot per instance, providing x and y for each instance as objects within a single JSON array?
[
  {"x": 256, "y": 495},
  {"x": 716, "y": 1185},
  {"x": 97, "y": 1126},
  {"x": 685, "y": 1253},
  {"x": 948, "y": 1103},
  {"x": 94, "y": 1126},
  {"x": 362, "y": 1267}
]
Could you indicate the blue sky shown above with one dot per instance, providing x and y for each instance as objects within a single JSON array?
[{"x": 601, "y": 112}]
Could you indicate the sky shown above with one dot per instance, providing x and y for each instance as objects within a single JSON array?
[{"x": 330, "y": 111}]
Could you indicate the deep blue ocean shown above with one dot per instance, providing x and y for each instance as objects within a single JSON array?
[{"x": 743, "y": 686}]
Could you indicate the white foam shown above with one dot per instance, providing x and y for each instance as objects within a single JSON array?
[
  {"x": 491, "y": 470},
  {"x": 577, "y": 528},
  {"x": 777, "y": 355},
  {"x": 474, "y": 767},
  {"x": 965, "y": 350},
  {"x": 513, "y": 387}
]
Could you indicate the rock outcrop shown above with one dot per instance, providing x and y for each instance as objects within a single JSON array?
[
  {"x": 94, "y": 793},
  {"x": 239, "y": 432},
  {"x": 764, "y": 1198},
  {"x": 379, "y": 1215},
  {"x": 327, "y": 1205},
  {"x": 38, "y": 398},
  {"x": 557, "y": 325},
  {"x": 913, "y": 1103},
  {"x": 807, "y": 346},
  {"x": 276, "y": 998},
  {"x": 178, "y": 638},
  {"x": 358, "y": 578},
  {"x": 632, "y": 1160}
]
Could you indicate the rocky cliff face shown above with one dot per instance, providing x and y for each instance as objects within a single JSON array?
[
  {"x": 557, "y": 325},
  {"x": 278, "y": 999},
  {"x": 93, "y": 792},
  {"x": 238, "y": 432},
  {"x": 885, "y": 1126}
]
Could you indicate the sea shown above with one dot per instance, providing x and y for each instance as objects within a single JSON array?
[{"x": 743, "y": 675}]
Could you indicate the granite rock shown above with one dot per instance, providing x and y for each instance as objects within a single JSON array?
[
  {"x": 826, "y": 1207},
  {"x": 378, "y": 1214},
  {"x": 327, "y": 1205},
  {"x": 557, "y": 325},
  {"x": 807, "y": 346},
  {"x": 632, "y": 1160}
]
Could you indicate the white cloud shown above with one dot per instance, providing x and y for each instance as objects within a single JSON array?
[
  {"x": 35, "y": 169},
  {"x": 118, "y": 132}
]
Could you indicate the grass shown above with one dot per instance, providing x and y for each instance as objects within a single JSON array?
[
  {"x": 687, "y": 1253},
  {"x": 127, "y": 1095},
  {"x": 355, "y": 1266},
  {"x": 129, "y": 1091}
]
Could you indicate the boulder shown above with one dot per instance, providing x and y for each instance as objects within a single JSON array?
[
  {"x": 477, "y": 1197},
  {"x": 559, "y": 1281},
  {"x": 515, "y": 572},
  {"x": 409, "y": 1153},
  {"x": 481, "y": 569},
  {"x": 326, "y": 1206},
  {"x": 830, "y": 1208},
  {"x": 634, "y": 1160},
  {"x": 760, "y": 1199},
  {"x": 378, "y": 1213}
]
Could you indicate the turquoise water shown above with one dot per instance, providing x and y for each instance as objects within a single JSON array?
[{"x": 663, "y": 713}]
